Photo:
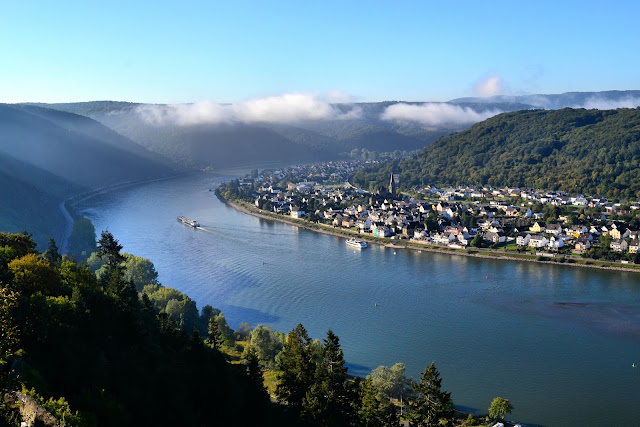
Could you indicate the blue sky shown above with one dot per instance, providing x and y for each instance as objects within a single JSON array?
[{"x": 232, "y": 51}]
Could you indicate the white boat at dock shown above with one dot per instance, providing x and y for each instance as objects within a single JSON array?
[{"x": 355, "y": 243}]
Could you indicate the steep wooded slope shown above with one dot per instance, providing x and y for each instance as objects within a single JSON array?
[{"x": 575, "y": 150}]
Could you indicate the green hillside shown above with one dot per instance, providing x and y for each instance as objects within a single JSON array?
[
  {"x": 48, "y": 155},
  {"x": 74, "y": 148},
  {"x": 26, "y": 204},
  {"x": 575, "y": 150}
]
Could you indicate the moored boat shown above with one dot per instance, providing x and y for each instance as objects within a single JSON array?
[
  {"x": 355, "y": 243},
  {"x": 190, "y": 222}
]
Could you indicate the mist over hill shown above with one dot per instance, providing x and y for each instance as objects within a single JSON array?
[
  {"x": 302, "y": 128},
  {"x": 605, "y": 100},
  {"x": 190, "y": 138},
  {"x": 47, "y": 155}
]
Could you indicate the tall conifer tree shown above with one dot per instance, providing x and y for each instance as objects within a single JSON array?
[
  {"x": 432, "y": 406},
  {"x": 297, "y": 368}
]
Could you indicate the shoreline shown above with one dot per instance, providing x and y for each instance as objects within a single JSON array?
[{"x": 319, "y": 228}]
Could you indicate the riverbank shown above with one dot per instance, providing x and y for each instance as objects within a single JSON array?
[{"x": 477, "y": 253}]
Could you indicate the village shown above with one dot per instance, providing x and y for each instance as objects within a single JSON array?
[{"x": 546, "y": 224}]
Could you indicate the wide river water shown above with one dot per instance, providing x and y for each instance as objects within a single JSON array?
[{"x": 559, "y": 342}]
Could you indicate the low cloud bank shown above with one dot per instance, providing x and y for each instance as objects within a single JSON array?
[
  {"x": 608, "y": 104},
  {"x": 289, "y": 108},
  {"x": 435, "y": 114}
]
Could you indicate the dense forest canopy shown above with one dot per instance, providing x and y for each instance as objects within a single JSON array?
[
  {"x": 117, "y": 357},
  {"x": 573, "y": 150}
]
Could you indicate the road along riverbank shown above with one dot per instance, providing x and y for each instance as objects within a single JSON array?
[{"x": 469, "y": 252}]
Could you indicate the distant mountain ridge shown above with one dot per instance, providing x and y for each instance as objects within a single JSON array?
[
  {"x": 558, "y": 101},
  {"x": 209, "y": 145},
  {"x": 225, "y": 145}
]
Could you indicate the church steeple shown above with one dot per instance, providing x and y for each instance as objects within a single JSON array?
[{"x": 393, "y": 184}]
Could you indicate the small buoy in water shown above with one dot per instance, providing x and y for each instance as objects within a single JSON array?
[
  {"x": 394, "y": 253},
  {"x": 487, "y": 277},
  {"x": 633, "y": 365},
  {"x": 376, "y": 304}
]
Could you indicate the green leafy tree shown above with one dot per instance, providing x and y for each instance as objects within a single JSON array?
[
  {"x": 243, "y": 332},
  {"x": 161, "y": 295},
  {"x": 499, "y": 408},
  {"x": 432, "y": 406},
  {"x": 32, "y": 274},
  {"x": 75, "y": 276},
  {"x": 390, "y": 382},
  {"x": 140, "y": 271},
  {"x": 267, "y": 343},
  {"x": 94, "y": 262},
  {"x": 21, "y": 244},
  {"x": 477, "y": 241},
  {"x": 431, "y": 222}
]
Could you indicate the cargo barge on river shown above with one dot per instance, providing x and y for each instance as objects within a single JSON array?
[{"x": 190, "y": 222}]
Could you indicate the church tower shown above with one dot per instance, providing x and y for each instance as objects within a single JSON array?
[{"x": 393, "y": 184}]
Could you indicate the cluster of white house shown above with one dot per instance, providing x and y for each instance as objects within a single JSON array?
[
  {"x": 545, "y": 197},
  {"x": 381, "y": 215}
]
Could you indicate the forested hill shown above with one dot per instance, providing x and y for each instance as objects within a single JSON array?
[
  {"x": 74, "y": 148},
  {"x": 575, "y": 150},
  {"x": 27, "y": 203},
  {"x": 46, "y": 155}
]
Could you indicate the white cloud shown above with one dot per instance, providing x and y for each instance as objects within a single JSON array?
[
  {"x": 288, "y": 108},
  {"x": 435, "y": 114},
  {"x": 606, "y": 104},
  {"x": 489, "y": 87},
  {"x": 337, "y": 97}
]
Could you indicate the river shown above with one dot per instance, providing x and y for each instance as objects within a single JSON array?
[{"x": 559, "y": 342}]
